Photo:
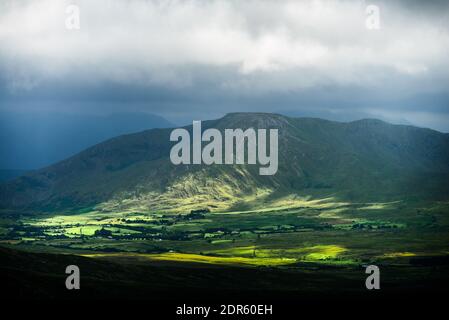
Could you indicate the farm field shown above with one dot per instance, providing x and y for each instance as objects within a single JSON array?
[{"x": 306, "y": 231}]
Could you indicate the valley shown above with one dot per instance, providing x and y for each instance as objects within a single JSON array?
[{"x": 309, "y": 231}]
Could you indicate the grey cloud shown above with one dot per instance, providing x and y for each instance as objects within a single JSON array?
[{"x": 205, "y": 58}]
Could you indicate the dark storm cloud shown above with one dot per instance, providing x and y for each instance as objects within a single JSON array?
[{"x": 201, "y": 59}]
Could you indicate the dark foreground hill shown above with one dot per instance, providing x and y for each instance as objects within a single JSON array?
[
  {"x": 366, "y": 159},
  {"x": 41, "y": 277}
]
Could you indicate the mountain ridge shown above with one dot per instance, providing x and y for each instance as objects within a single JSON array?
[{"x": 355, "y": 160}]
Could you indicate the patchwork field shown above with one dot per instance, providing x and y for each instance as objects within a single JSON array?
[{"x": 290, "y": 232}]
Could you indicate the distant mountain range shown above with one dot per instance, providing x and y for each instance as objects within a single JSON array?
[
  {"x": 359, "y": 161},
  {"x": 6, "y": 175},
  {"x": 33, "y": 140}
]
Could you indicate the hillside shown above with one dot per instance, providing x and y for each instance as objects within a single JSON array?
[
  {"x": 35, "y": 140},
  {"x": 360, "y": 160},
  {"x": 139, "y": 280}
]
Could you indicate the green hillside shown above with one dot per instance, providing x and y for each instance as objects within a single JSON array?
[{"x": 366, "y": 160}]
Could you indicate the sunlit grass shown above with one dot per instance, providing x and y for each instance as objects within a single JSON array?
[
  {"x": 399, "y": 255},
  {"x": 194, "y": 191},
  {"x": 197, "y": 258},
  {"x": 379, "y": 205},
  {"x": 249, "y": 255},
  {"x": 311, "y": 253}
]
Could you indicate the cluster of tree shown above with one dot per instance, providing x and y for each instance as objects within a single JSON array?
[
  {"x": 369, "y": 226},
  {"x": 191, "y": 216},
  {"x": 103, "y": 233}
]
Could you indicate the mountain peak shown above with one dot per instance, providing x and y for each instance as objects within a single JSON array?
[
  {"x": 370, "y": 122},
  {"x": 253, "y": 119}
]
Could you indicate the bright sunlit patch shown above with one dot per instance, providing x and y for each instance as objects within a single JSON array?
[
  {"x": 399, "y": 254},
  {"x": 197, "y": 258}
]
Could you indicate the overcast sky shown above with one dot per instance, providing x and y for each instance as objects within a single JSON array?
[{"x": 201, "y": 59}]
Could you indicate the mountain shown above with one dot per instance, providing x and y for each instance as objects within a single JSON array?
[
  {"x": 360, "y": 160},
  {"x": 9, "y": 174},
  {"x": 34, "y": 140}
]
